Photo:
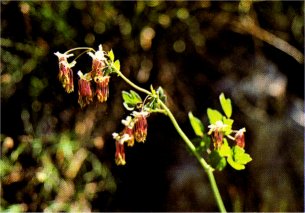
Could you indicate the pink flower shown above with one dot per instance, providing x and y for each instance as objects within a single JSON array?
[
  {"x": 98, "y": 61},
  {"x": 65, "y": 74},
  {"x": 128, "y": 130},
  {"x": 119, "y": 153},
  {"x": 240, "y": 138},
  {"x": 217, "y": 130},
  {"x": 84, "y": 90},
  {"x": 102, "y": 88},
  {"x": 140, "y": 130},
  {"x": 120, "y": 139}
]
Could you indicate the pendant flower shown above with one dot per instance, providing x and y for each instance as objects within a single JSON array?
[
  {"x": 217, "y": 130},
  {"x": 129, "y": 125},
  {"x": 98, "y": 61},
  {"x": 65, "y": 74},
  {"x": 84, "y": 90},
  {"x": 140, "y": 131},
  {"x": 102, "y": 88},
  {"x": 240, "y": 138},
  {"x": 119, "y": 147}
]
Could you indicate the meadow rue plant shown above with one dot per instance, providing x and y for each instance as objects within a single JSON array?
[{"x": 228, "y": 144}]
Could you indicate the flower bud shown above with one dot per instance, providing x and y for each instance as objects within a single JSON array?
[{"x": 65, "y": 74}]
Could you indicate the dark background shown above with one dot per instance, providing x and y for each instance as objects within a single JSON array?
[{"x": 56, "y": 156}]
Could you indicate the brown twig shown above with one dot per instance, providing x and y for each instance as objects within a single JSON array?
[{"x": 246, "y": 24}]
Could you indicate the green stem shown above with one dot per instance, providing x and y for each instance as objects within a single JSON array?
[
  {"x": 208, "y": 169},
  {"x": 132, "y": 84},
  {"x": 80, "y": 48}
]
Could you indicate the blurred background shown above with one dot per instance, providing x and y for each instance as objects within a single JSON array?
[{"x": 56, "y": 156}]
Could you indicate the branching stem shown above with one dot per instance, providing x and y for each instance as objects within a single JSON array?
[{"x": 208, "y": 169}]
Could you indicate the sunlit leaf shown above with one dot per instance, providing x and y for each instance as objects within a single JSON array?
[
  {"x": 214, "y": 115},
  {"x": 131, "y": 99},
  {"x": 240, "y": 156},
  {"x": 229, "y": 123},
  {"x": 116, "y": 65},
  {"x": 234, "y": 164},
  {"x": 111, "y": 55},
  {"x": 226, "y": 105},
  {"x": 225, "y": 149},
  {"x": 196, "y": 124}
]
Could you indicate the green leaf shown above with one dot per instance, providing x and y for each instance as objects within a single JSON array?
[
  {"x": 217, "y": 161},
  {"x": 131, "y": 99},
  {"x": 214, "y": 115},
  {"x": 229, "y": 122},
  {"x": 161, "y": 94},
  {"x": 111, "y": 55},
  {"x": 240, "y": 156},
  {"x": 226, "y": 105},
  {"x": 116, "y": 65},
  {"x": 136, "y": 97},
  {"x": 196, "y": 124},
  {"x": 234, "y": 164},
  {"x": 225, "y": 149}
]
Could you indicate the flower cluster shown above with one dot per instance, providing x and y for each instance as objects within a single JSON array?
[
  {"x": 98, "y": 74},
  {"x": 135, "y": 129},
  {"x": 217, "y": 131}
]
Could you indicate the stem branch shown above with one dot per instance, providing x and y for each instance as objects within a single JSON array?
[{"x": 208, "y": 169}]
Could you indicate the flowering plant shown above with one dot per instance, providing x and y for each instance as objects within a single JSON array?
[{"x": 95, "y": 83}]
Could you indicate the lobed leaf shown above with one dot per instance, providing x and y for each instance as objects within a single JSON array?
[
  {"x": 196, "y": 125},
  {"x": 131, "y": 99},
  {"x": 239, "y": 158},
  {"x": 218, "y": 162},
  {"x": 226, "y": 105},
  {"x": 111, "y": 55},
  {"x": 225, "y": 150},
  {"x": 116, "y": 65},
  {"x": 234, "y": 164},
  {"x": 214, "y": 115}
]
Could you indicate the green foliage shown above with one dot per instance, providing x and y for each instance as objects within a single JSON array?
[
  {"x": 131, "y": 99},
  {"x": 111, "y": 55},
  {"x": 239, "y": 158},
  {"x": 221, "y": 126},
  {"x": 217, "y": 161},
  {"x": 214, "y": 115},
  {"x": 226, "y": 105},
  {"x": 196, "y": 124}
]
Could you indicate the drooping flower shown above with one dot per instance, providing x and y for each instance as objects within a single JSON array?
[
  {"x": 102, "y": 88},
  {"x": 119, "y": 153},
  {"x": 119, "y": 148},
  {"x": 85, "y": 95},
  {"x": 129, "y": 125},
  {"x": 98, "y": 61},
  {"x": 140, "y": 129},
  {"x": 217, "y": 130},
  {"x": 240, "y": 138},
  {"x": 65, "y": 74}
]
